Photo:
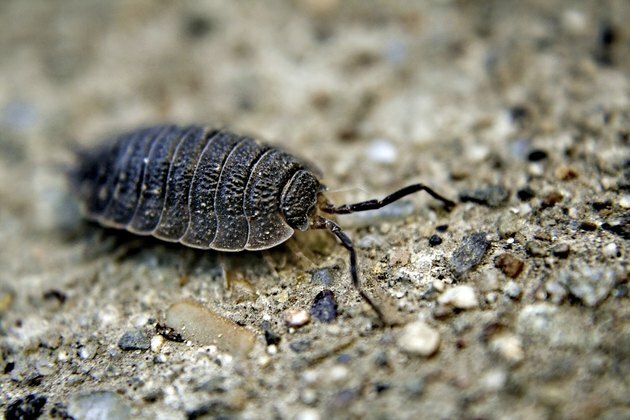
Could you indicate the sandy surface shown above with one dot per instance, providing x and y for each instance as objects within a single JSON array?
[{"x": 520, "y": 110}]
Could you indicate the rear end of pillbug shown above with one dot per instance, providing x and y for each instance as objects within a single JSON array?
[{"x": 211, "y": 189}]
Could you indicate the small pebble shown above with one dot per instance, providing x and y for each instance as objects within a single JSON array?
[
  {"x": 419, "y": 339},
  {"x": 509, "y": 264},
  {"x": 322, "y": 276},
  {"x": 29, "y": 407},
  {"x": 415, "y": 387},
  {"x": 382, "y": 151},
  {"x": 344, "y": 398},
  {"x": 611, "y": 250},
  {"x": 537, "y": 155},
  {"x": 282, "y": 296},
  {"x": 101, "y": 405},
  {"x": 87, "y": 351},
  {"x": 296, "y": 317},
  {"x": 300, "y": 346},
  {"x": 566, "y": 173},
  {"x": 264, "y": 361},
  {"x": 438, "y": 285},
  {"x": 491, "y": 297},
  {"x": 536, "y": 169},
  {"x": 491, "y": 195},
  {"x": 494, "y": 380},
  {"x": 381, "y": 359},
  {"x": 473, "y": 247},
  {"x": 308, "y": 396},
  {"x": 588, "y": 226},
  {"x": 620, "y": 291},
  {"x": 556, "y": 291},
  {"x": 542, "y": 235},
  {"x": 205, "y": 327},
  {"x": 508, "y": 225},
  {"x": 590, "y": 284},
  {"x": 525, "y": 194},
  {"x": 535, "y": 249},
  {"x": 619, "y": 226},
  {"x": 512, "y": 289},
  {"x": 134, "y": 340},
  {"x": 442, "y": 311},
  {"x": 434, "y": 240},
  {"x": 271, "y": 338},
  {"x": 461, "y": 297},
  {"x": 324, "y": 307},
  {"x": 551, "y": 199},
  {"x": 308, "y": 414},
  {"x": 157, "y": 341},
  {"x": 624, "y": 201},
  {"x": 561, "y": 250},
  {"x": 508, "y": 346},
  {"x": 337, "y": 373}
]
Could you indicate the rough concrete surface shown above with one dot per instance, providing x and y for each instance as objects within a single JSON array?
[{"x": 514, "y": 305}]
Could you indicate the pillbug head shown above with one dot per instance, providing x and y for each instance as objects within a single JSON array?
[{"x": 299, "y": 199}]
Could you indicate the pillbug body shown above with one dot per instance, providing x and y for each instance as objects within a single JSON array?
[{"x": 211, "y": 189}]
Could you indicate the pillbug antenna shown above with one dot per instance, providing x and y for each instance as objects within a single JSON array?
[
  {"x": 377, "y": 204},
  {"x": 323, "y": 223}
]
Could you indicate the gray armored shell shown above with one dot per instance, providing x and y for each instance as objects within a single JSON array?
[{"x": 205, "y": 188}]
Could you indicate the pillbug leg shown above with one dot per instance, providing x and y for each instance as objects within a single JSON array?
[
  {"x": 323, "y": 223},
  {"x": 377, "y": 204}
]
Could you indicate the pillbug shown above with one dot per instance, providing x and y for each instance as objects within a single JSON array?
[{"x": 212, "y": 189}]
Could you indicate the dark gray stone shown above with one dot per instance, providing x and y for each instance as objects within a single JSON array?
[
  {"x": 490, "y": 195},
  {"x": 324, "y": 307},
  {"x": 134, "y": 340},
  {"x": 469, "y": 253}
]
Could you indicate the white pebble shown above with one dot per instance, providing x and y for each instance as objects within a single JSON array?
[
  {"x": 536, "y": 169},
  {"x": 308, "y": 414},
  {"x": 462, "y": 297},
  {"x": 308, "y": 396},
  {"x": 524, "y": 209},
  {"x": 509, "y": 347},
  {"x": 296, "y": 317},
  {"x": 382, "y": 151},
  {"x": 611, "y": 250},
  {"x": 419, "y": 338},
  {"x": 494, "y": 380},
  {"x": 492, "y": 297},
  {"x": 477, "y": 153},
  {"x": 438, "y": 285},
  {"x": 625, "y": 201},
  {"x": 310, "y": 376},
  {"x": 556, "y": 291},
  {"x": 157, "y": 341},
  {"x": 512, "y": 289},
  {"x": 338, "y": 373},
  {"x": 264, "y": 361}
]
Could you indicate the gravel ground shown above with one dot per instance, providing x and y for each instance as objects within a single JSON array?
[{"x": 512, "y": 305}]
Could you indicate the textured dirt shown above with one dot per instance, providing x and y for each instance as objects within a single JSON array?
[{"x": 517, "y": 109}]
